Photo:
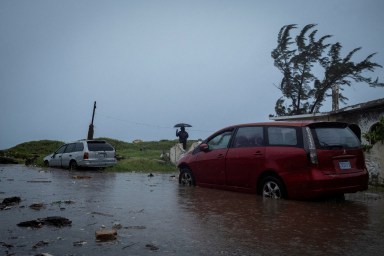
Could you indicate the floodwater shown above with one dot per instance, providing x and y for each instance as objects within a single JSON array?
[{"x": 156, "y": 216}]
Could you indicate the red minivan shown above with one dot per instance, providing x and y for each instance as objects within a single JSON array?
[{"x": 296, "y": 160}]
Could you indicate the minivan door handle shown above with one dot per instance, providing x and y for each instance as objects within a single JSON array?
[
  {"x": 258, "y": 153},
  {"x": 220, "y": 156}
]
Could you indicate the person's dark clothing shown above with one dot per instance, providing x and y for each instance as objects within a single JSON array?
[{"x": 183, "y": 136}]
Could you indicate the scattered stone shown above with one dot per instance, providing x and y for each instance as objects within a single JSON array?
[
  {"x": 6, "y": 245},
  {"x": 11, "y": 200},
  {"x": 63, "y": 202},
  {"x": 152, "y": 247},
  {"x": 37, "y": 206},
  {"x": 51, "y": 221},
  {"x": 135, "y": 227},
  {"x": 102, "y": 214},
  {"x": 40, "y": 244},
  {"x": 117, "y": 226},
  {"x": 79, "y": 243},
  {"x": 31, "y": 224},
  {"x": 150, "y": 175},
  {"x": 106, "y": 235},
  {"x": 57, "y": 221},
  {"x": 78, "y": 177}
]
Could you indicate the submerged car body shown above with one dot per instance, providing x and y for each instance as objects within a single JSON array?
[
  {"x": 298, "y": 160},
  {"x": 83, "y": 153}
]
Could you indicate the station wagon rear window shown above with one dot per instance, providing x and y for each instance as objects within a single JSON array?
[{"x": 99, "y": 146}]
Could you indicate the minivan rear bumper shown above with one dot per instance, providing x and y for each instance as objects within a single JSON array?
[{"x": 321, "y": 185}]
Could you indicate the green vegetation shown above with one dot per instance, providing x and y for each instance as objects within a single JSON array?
[
  {"x": 376, "y": 134},
  {"x": 140, "y": 156}
]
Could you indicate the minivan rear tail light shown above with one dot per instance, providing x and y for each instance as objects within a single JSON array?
[
  {"x": 311, "y": 146},
  {"x": 86, "y": 155}
]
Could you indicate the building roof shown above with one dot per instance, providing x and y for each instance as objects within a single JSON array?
[{"x": 374, "y": 104}]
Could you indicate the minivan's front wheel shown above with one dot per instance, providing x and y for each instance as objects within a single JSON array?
[
  {"x": 186, "y": 177},
  {"x": 272, "y": 187},
  {"x": 72, "y": 165}
]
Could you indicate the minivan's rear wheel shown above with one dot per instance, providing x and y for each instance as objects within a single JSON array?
[
  {"x": 186, "y": 177},
  {"x": 72, "y": 165},
  {"x": 272, "y": 187}
]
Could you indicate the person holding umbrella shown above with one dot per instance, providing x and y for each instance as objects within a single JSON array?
[{"x": 182, "y": 134}]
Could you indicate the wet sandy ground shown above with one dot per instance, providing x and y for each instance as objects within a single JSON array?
[{"x": 155, "y": 216}]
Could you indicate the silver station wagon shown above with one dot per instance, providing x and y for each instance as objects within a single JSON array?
[{"x": 83, "y": 153}]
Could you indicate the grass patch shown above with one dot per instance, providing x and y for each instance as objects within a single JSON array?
[{"x": 142, "y": 156}]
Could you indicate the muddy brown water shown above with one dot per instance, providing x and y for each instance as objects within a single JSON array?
[{"x": 156, "y": 216}]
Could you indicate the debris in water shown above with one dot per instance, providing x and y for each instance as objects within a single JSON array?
[
  {"x": 37, "y": 206},
  {"x": 51, "y": 221},
  {"x": 106, "y": 235},
  {"x": 40, "y": 244},
  {"x": 152, "y": 247},
  {"x": 102, "y": 214},
  {"x": 79, "y": 243},
  {"x": 11, "y": 200},
  {"x": 78, "y": 177},
  {"x": 6, "y": 245}
]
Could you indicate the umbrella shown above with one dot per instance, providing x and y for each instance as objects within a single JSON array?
[{"x": 182, "y": 125}]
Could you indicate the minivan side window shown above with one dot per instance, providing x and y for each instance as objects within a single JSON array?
[
  {"x": 282, "y": 136},
  {"x": 220, "y": 141},
  {"x": 251, "y": 136}
]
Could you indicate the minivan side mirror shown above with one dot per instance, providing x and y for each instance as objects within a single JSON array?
[{"x": 204, "y": 147}]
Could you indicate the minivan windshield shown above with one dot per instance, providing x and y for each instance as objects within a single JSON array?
[{"x": 335, "y": 138}]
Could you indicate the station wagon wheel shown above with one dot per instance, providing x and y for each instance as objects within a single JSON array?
[
  {"x": 46, "y": 163},
  {"x": 186, "y": 177},
  {"x": 272, "y": 188},
  {"x": 72, "y": 165}
]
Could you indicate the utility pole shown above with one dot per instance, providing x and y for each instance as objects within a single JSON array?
[{"x": 90, "y": 129}]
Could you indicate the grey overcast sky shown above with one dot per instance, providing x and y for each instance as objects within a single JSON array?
[{"x": 151, "y": 64}]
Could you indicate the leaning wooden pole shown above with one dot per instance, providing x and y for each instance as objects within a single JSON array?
[{"x": 90, "y": 129}]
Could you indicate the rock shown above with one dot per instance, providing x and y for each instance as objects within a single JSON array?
[
  {"x": 31, "y": 224},
  {"x": 40, "y": 244},
  {"x": 81, "y": 177},
  {"x": 79, "y": 243},
  {"x": 57, "y": 221},
  {"x": 51, "y": 221},
  {"x": 106, "y": 235},
  {"x": 152, "y": 247},
  {"x": 37, "y": 206},
  {"x": 11, "y": 200}
]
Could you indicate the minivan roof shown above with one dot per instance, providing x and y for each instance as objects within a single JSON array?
[{"x": 284, "y": 123}]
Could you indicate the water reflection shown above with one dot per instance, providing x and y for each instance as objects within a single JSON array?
[{"x": 274, "y": 226}]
